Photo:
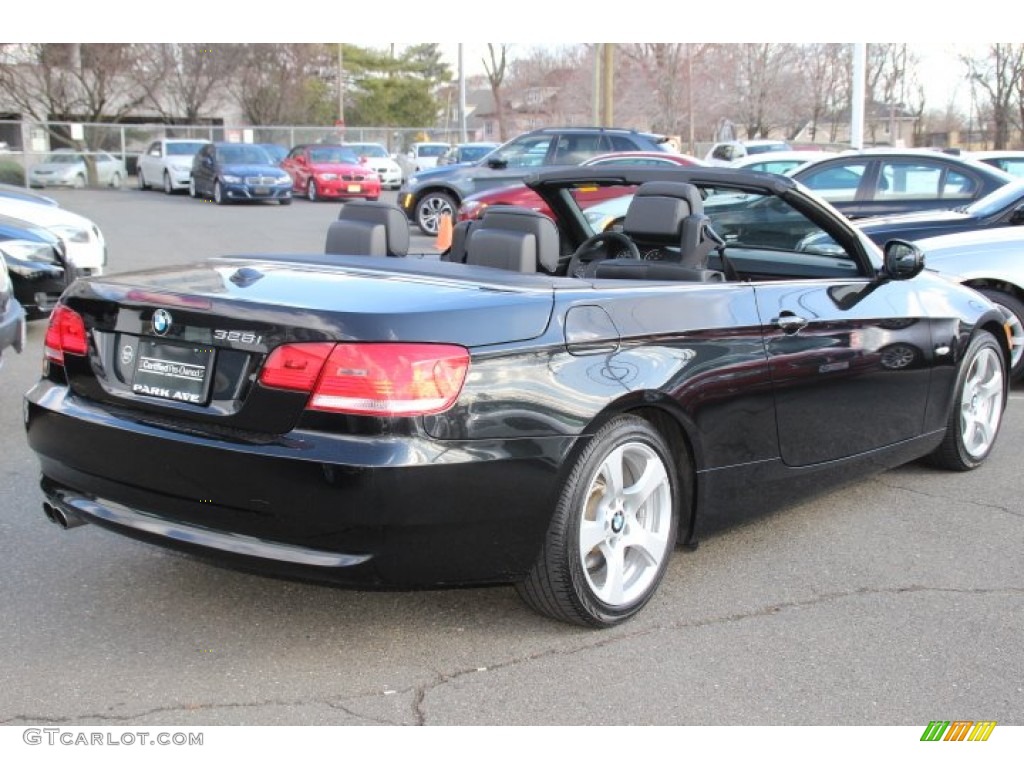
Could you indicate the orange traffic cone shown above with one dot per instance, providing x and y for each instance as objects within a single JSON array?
[{"x": 444, "y": 233}]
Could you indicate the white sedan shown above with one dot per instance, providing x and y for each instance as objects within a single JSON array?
[
  {"x": 67, "y": 168},
  {"x": 167, "y": 163},
  {"x": 86, "y": 248}
]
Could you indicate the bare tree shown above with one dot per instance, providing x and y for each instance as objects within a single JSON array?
[
  {"x": 824, "y": 71},
  {"x": 282, "y": 84},
  {"x": 999, "y": 76},
  {"x": 760, "y": 91},
  {"x": 495, "y": 68},
  {"x": 183, "y": 80},
  {"x": 72, "y": 82}
]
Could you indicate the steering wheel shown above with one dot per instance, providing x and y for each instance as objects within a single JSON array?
[{"x": 589, "y": 248}]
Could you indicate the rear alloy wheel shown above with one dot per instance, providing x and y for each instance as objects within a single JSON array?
[
  {"x": 168, "y": 186},
  {"x": 977, "y": 408},
  {"x": 1014, "y": 310},
  {"x": 218, "y": 193},
  {"x": 613, "y": 530},
  {"x": 311, "y": 191},
  {"x": 431, "y": 207}
]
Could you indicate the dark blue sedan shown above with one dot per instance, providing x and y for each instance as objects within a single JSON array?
[{"x": 228, "y": 172}]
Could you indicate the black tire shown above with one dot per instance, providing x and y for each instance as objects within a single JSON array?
[
  {"x": 592, "y": 589},
  {"x": 141, "y": 178},
  {"x": 218, "y": 193},
  {"x": 431, "y": 207},
  {"x": 116, "y": 181},
  {"x": 311, "y": 191},
  {"x": 79, "y": 182},
  {"x": 285, "y": 201},
  {"x": 1016, "y": 308},
  {"x": 168, "y": 186},
  {"x": 977, "y": 408}
]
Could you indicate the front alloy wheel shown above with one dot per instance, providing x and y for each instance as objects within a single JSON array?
[
  {"x": 431, "y": 207},
  {"x": 218, "y": 193},
  {"x": 311, "y": 191},
  {"x": 168, "y": 186},
  {"x": 613, "y": 530},
  {"x": 977, "y": 409}
]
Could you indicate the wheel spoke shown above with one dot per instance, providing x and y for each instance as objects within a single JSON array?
[
  {"x": 652, "y": 480},
  {"x": 592, "y": 533},
  {"x": 650, "y": 545},
  {"x": 615, "y": 575},
  {"x": 611, "y": 470}
]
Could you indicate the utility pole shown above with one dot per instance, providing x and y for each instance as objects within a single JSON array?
[
  {"x": 341, "y": 88},
  {"x": 860, "y": 56},
  {"x": 607, "y": 92},
  {"x": 596, "y": 101},
  {"x": 462, "y": 99}
]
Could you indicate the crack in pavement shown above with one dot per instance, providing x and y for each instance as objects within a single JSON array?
[
  {"x": 983, "y": 505},
  {"x": 420, "y": 692}
]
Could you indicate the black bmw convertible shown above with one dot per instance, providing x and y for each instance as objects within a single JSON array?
[{"x": 539, "y": 405}]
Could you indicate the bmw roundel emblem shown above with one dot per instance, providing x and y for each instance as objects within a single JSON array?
[{"x": 161, "y": 322}]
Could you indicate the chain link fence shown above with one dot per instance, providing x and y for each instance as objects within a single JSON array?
[{"x": 26, "y": 146}]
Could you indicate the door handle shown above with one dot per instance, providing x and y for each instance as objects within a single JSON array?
[{"x": 790, "y": 323}]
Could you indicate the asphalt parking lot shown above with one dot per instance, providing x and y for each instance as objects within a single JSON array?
[{"x": 893, "y": 601}]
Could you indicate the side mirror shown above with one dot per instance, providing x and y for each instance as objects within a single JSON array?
[
  {"x": 497, "y": 162},
  {"x": 1017, "y": 217},
  {"x": 903, "y": 260}
]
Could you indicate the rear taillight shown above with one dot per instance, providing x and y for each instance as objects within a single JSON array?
[
  {"x": 371, "y": 379},
  {"x": 65, "y": 334}
]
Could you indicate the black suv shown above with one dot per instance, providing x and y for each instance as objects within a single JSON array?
[{"x": 427, "y": 195}]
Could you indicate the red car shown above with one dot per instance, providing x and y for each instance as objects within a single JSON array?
[
  {"x": 321, "y": 171},
  {"x": 474, "y": 206}
]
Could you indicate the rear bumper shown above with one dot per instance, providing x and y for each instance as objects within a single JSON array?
[{"x": 372, "y": 511}]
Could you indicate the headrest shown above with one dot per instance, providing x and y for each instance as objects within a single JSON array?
[
  {"x": 516, "y": 219},
  {"x": 658, "y": 209},
  {"x": 396, "y": 225}
]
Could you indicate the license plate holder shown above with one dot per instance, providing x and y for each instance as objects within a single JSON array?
[
  {"x": 173, "y": 371},
  {"x": 261, "y": 190},
  {"x": 355, "y": 188}
]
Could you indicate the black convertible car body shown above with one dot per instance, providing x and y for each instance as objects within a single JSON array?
[{"x": 539, "y": 406}]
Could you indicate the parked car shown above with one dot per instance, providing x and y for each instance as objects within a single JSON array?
[
  {"x": 779, "y": 161},
  {"x": 85, "y": 246},
  {"x": 1011, "y": 161},
  {"x": 168, "y": 163},
  {"x": 20, "y": 193},
  {"x": 427, "y": 196},
  {"x": 1002, "y": 208},
  {"x": 421, "y": 155},
  {"x": 36, "y": 261},
  {"x": 12, "y": 315},
  {"x": 229, "y": 172},
  {"x": 467, "y": 153},
  {"x": 474, "y": 206},
  {"x": 990, "y": 261},
  {"x": 330, "y": 171},
  {"x": 880, "y": 182},
  {"x": 376, "y": 158},
  {"x": 726, "y": 152},
  {"x": 67, "y": 168},
  {"x": 535, "y": 408}
]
